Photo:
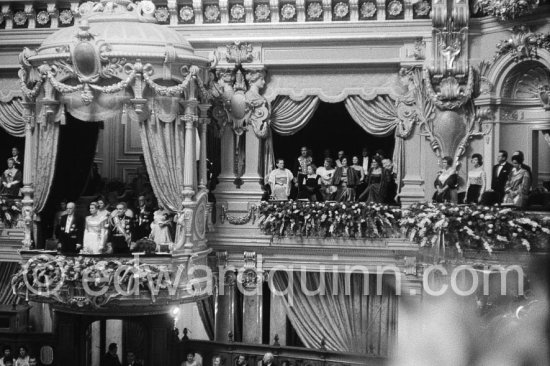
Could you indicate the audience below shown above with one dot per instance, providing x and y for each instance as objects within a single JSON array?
[{"x": 21, "y": 359}]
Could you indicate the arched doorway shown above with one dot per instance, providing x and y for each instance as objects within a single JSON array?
[{"x": 331, "y": 127}]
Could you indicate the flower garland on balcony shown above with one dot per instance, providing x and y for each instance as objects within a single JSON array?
[
  {"x": 55, "y": 276},
  {"x": 474, "y": 226},
  {"x": 506, "y": 9},
  {"x": 328, "y": 219}
]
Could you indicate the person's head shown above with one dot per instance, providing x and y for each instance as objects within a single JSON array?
[
  {"x": 93, "y": 208},
  {"x": 365, "y": 152},
  {"x": 241, "y": 360},
  {"x": 328, "y": 163},
  {"x": 63, "y": 205},
  {"x": 519, "y": 153},
  {"x": 11, "y": 163},
  {"x": 8, "y": 361},
  {"x": 120, "y": 209},
  {"x": 101, "y": 203},
  {"x": 380, "y": 153},
  {"x": 311, "y": 168},
  {"x": 446, "y": 162},
  {"x": 190, "y": 356},
  {"x": 141, "y": 201},
  {"x": 344, "y": 161},
  {"x": 280, "y": 163},
  {"x": 217, "y": 360},
  {"x": 517, "y": 160},
  {"x": 340, "y": 154},
  {"x": 70, "y": 208},
  {"x": 6, "y": 350},
  {"x": 130, "y": 356},
  {"x": 355, "y": 160},
  {"x": 502, "y": 156},
  {"x": 387, "y": 164},
  {"x": 268, "y": 357},
  {"x": 113, "y": 348},
  {"x": 304, "y": 151},
  {"x": 376, "y": 162},
  {"x": 14, "y": 151},
  {"x": 23, "y": 351},
  {"x": 33, "y": 361},
  {"x": 477, "y": 160},
  {"x": 256, "y": 78}
]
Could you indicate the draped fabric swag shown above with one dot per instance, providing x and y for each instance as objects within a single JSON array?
[
  {"x": 11, "y": 117},
  {"x": 289, "y": 116},
  {"x": 162, "y": 140},
  {"x": 379, "y": 117},
  {"x": 45, "y": 140},
  {"x": 346, "y": 320},
  {"x": 207, "y": 313}
]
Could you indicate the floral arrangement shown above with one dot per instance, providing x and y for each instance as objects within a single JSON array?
[
  {"x": 328, "y": 219},
  {"x": 10, "y": 210},
  {"x": 505, "y": 9},
  {"x": 58, "y": 277},
  {"x": 474, "y": 226}
]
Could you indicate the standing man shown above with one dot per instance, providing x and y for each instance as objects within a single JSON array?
[
  {"x": 144, "y": 218},
  {"x": 300, "y": 169},
  {"x": 131, "y": 359},
  {"x": 365, "y": 161},
  {"x": 121, "y": 227},
  {"x": 70, "y": 231},
  {"x": 501, "y": 171},
  {"x": 18, "y": 159},
  {"x": 111, "y": 357}
]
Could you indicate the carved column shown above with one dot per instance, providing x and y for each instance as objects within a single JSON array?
[
  {"x": 225, "y": 312},
  {"x": 251, "y": 280},
  {"x": 227, "y": 175},
  {"x": 189, "y": 173},
  {"x": 203, "y": 122},
  {"x": 28, "y": 189},
  {"x": 413, "y": 181}
]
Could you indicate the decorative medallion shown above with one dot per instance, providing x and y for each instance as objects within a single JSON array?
[
  {"x": 341, "y": 10},
  {"x": 237, "y": 12},
  {"x": 211, "y": 12},
  {"x": 395, "y": 8},
  {"x": 86, "y": 8},
  {"x": 66, "y": 17},
  {"x": 147, "y": 7},
  {"x": 42, "y": 17},
  {"x": 368, "y": 9},
  {"x": 186, "y": 13},
  {"x": 315, "y": 10},
  {"x": 422, "y": 9},
  {"x": 20, "y": 18},
  {"x": 200, "y": 219},
  {"x": 162, "y": 14},
  {"x": 262, "y": 12},
  {"x": 288, "y": 11}
]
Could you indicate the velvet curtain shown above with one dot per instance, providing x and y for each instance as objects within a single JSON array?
[
  {"x": 7, "y": 270},
  {"x": 11, "y": 117},
  {"x": 162, "y": 140},
  {"x": 289, "y": 116},
  {"x": 45, "y": 139},
  {"x": 347, "y": 321},
  {"x": 379, "y": 117}
]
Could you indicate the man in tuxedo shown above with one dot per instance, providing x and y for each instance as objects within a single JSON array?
[
  {"x": 144, "y": 217},
  {"x": 365, "y": 161},
  {"x": 131, "y": 359},
  {"x": 70, "y": 231},
  {"x": 111, "y": 358},
  {"x": 501, "y": 171},
  {"x": 121, "y": 228},
  {"x": 17, "y": 159}
]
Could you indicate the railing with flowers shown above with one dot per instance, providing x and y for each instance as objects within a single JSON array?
[
  {"x": 475, "y": 227},
  {"x": 328, "y": 219},
  {"x": 462, "y": 226},
  {"x": 94, "y": 282}
]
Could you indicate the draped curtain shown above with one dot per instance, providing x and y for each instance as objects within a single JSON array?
[
  {"x": 162, "y": 140},
  {"x": 289, "y": 116},
  {"x": 11, "y": 117},
  {"x": 347, "y": 320},
  {"x": 379, "y": 117},
  {"x": 45, "y": 139},
  {"x": 7, "y": 270}
]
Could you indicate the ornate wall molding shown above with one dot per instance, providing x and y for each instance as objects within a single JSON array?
[{"x": 523, "y": 44}]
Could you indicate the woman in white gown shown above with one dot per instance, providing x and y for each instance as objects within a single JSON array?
[
  {"x": 95, "y": 233},
  {"x": 160, "y": 228}
]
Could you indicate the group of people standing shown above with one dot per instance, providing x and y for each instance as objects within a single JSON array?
[
  {"x": 12, "y": 177},
  {"x": 361, "y": 178},
  {"x": 510, "y": 182},
  {"x": 111, "y": 232}
]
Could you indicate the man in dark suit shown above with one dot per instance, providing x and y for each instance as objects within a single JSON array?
[
  {"x": 111, "y": 357},
  {"x": 144, "y": 217},
  {"x": 17, "y": 158},
  {"x": 121, "y": 227},
  {"x": 501, "y": 171},
  {"x": 131, "y": 359},
  {"x": 70, "y": 231}
]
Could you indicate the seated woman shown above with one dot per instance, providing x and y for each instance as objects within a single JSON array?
[
  {"x": 446, "y": 182},
  {"x": 345, "y": 180},
  {"x": 280, "y": 180},
  {"x": 477, "y": 180},
  {"x": 377, "y": 182},
  {"x": 160, "y": 228},
  {"x": 326, "y": 172},
  {"x": 95, "y": 231},
  {"x": 11, "y": 180},
  {"x": 310, "y": 185},
  {"x": 518, "y": 184}
]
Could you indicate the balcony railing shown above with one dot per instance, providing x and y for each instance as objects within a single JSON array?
[{"x": 52, "y": 14}]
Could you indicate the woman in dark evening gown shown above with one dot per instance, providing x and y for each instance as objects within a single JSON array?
[
  {"x": 377, "y": 183},
  {"x": 311, "y": 185},
  {"x": 345, "y": 180},
  {"x": 446, "y": 182}
]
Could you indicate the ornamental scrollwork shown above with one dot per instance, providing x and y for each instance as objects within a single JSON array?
[
  {"x": 505, "y": 9},
  {"x": 544, "y": 96},
  {"x": 451, "y": 94},
  {"x": 239, "y": 220},
  {"x": 523, "y": 44}
]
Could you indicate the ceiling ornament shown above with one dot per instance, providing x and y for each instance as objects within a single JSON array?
[
  {"x": 43, "y": 17},
  {"x": 66, "y": 17},
  {"x": 341, "y": 10},
  {"x": 288, "y": 11},
  {"x": 212, "y": 13},
  {"x": 315, "y": 10},
  {"x": 162, "y": 14},
  {"x": 237, "y": 12},
  {"x": 368, "y": 9},
  {"x": 20, "y": 18},
  {"x": 422, "y": 8},
  {"x": 395, "y": 8},
  {"x": 186, "y": 13},
  {"x": 262, "y": 12}
]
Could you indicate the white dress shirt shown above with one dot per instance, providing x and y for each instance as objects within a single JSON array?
[{"x": 68, "y": 223}]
